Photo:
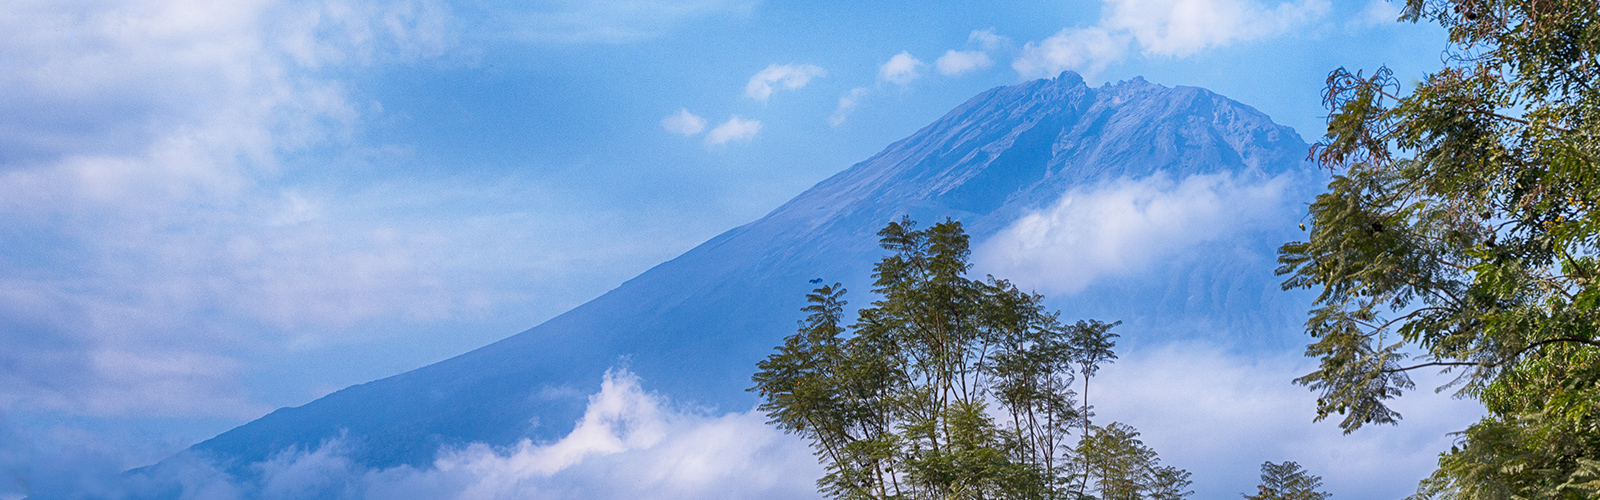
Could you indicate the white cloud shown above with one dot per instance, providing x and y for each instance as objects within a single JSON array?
[
  {"x": 961, "y": 62},
  {"x": 1215, "y": 413},
  {"x": 629, "y": 444},
  {"x": 900, "y": 69},
  {"x": 847, "y": 104},
  {"x": 1086, "y": 51},
  {"x": 786, "y": 77},
  {"x": 957, "y": 63},
  {"x": 1378, "y": 13},
  {"x": 684, "y": 123},
  {"x": 1169, "y": 28},
  {"x": 987, "y": 40},
  {"x": 735, "y": 129},
  {"x": 178, "y": 240},
  {"x": 144, "y": 140},
  {"x": 1121, "y": 227},
  {"x": 1184, "y": 27},
  {"x": 1220, "y": 414}
]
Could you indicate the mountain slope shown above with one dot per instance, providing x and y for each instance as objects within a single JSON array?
[{"x": 695, "y": 326}]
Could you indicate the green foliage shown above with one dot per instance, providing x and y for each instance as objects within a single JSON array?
[
  {"x": 946, "y": 387},
  {"x": 1287, "y": 481},
  {"x": 1460, "y": 227},
  {"x": 1121, "y": 467}
]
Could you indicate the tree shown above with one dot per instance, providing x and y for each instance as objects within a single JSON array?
[
  {"x": 1123, "y": 468},
  {"x": 946, "y": 387},
  {"x": 1091, "y": 345},
  {"x": 1287, "y": 481},
  {"x": 1460, "y": 228}
]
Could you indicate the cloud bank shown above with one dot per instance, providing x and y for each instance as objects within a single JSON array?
[
  {"x": 629, "y": 444},
  {"x": 1220, "y": 414},
  {"x": 1121, "y": 227},
  {"x": 184, "y": 194},
  {"x": 1214, "y": 413},
  {"x": 143, "y": 157}
]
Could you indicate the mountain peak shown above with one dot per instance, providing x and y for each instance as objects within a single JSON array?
[
  {"x": 1022, "y": 146},
  {"x": 1069, "y": 78},
  {"x": 695, "y": 326}
]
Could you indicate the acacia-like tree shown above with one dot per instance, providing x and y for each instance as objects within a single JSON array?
[
  {"x": 946, "y": 387},
  {"x": 1121, "y": 467},
  {"x": 1287, "y": 481},
  {"x": 1460, "y": 226}
]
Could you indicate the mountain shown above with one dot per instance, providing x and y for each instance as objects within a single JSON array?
[{"x": 694, "y": 327}]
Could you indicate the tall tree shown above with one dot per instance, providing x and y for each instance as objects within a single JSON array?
[
  {"x": 1121, "y": 467},
  {"x": 946, "y": 387},
  {"x": 1287, "y": 481},
  {"x": 1092, "y": 343},
  {"x": 1460, "y": 225}
]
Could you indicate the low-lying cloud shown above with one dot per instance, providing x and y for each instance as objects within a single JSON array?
[
  {"x": 1215, "y": 413},
  {"x": 629, "y": 444},
  {"x": 1121, "y": 227},
  {"x": 1220, "y": 414}
]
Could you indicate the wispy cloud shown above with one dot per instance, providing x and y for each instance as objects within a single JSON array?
[
  {"x": 151, "y": 156},
  {"x": 684, "y": 123},
  {"x": 1166, "y": 28},
  {"x": 901, "y": 69},
  {"x": 162, "y": 183},
  {"x": 735, "y": 129},
  {"x": 608, "y": 21},
  {"x": 780, "y": 77},
  {"x": 847, "y": 104}
]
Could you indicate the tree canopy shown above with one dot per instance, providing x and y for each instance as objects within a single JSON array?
[
  {"x": 949, "y": 387},
  {"x": 1459, "y": 229},
  {"x": 1287, "y": 481}
]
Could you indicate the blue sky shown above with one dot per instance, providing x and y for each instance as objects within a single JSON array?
[{"x": 211, "y": 210}]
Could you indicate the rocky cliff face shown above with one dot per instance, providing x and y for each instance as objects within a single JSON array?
[{"x": 694, "y": 327}]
